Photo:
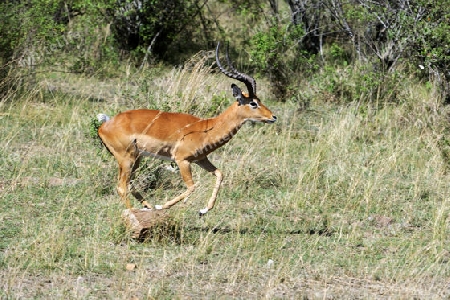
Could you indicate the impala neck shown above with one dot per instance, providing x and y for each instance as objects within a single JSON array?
[{"x": 225, "y": 126}]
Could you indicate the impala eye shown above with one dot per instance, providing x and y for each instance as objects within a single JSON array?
[{"x": 253, "y": 104}]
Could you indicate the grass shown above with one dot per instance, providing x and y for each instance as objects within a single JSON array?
[{"x": 333, "y": 201}]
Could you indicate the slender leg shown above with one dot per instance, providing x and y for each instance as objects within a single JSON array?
[
  {"x": 124, "y": 180},
  {"x": 186, "y": 174},
  {"x": 127, "y": 167},
  {"x": 133, "y": 190},
  {"x": 208, "y": 166}
]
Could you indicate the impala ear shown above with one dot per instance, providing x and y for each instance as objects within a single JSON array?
[{"x": 237, "y": 93}]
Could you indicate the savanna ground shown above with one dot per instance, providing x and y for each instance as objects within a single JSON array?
[{"x": 332, "y": 201}]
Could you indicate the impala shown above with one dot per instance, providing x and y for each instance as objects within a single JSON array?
[{"x": 179, "y": 137}]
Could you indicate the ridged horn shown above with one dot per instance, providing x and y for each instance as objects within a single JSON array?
[{"x": 249, "y": 81}]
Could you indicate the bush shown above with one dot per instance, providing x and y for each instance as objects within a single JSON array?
[
  {"x": 152, "y": 26},
  {"x": 53, "y": 32},
  {"x": 274, "y": 51}
]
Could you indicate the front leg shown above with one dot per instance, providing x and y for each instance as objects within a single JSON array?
[
  {"x": 208, "y": 166},
  {"x": 186, "y": 174}
]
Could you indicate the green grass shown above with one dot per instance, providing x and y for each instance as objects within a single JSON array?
[{"x": 330, "y": 202}]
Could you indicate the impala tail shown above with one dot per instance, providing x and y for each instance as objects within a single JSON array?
[
  {"x": 95, "y": 125},
  {"x": 102, "y": 118}
]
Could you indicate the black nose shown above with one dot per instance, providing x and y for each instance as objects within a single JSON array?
[{"x": 273, "y": 120}]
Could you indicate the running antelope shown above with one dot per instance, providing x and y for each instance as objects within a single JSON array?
[{"x": 179, "y": 137}]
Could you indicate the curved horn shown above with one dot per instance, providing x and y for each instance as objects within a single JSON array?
[
  {"x": 249, "y": 78},
  {"x": 249, "y": 82}
]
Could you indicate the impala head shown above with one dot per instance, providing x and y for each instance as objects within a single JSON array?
[{"x": 250, "y": 105}]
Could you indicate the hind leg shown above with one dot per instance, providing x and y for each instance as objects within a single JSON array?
[
  {"x": 124, "y": 181},
  {"x": 128, "y": 164},
  {"x": 133, "y": 190}
]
